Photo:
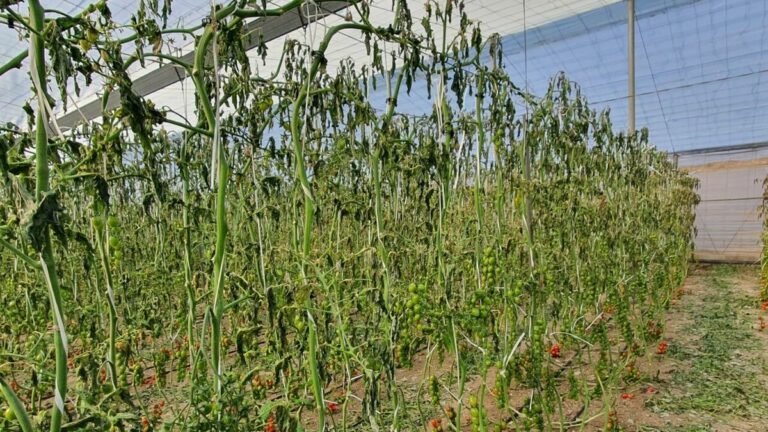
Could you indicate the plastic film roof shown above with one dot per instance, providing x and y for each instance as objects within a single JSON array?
[{"x": 701, "y": 64}]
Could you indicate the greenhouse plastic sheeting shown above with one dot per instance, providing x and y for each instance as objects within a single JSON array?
[
  {"x": 701, "y": 68},
  {"x": 505, "y": 17},
  {"x": 728, "y": 219},
  {"x": 702, "y": 65}
]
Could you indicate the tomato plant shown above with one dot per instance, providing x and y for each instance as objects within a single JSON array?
[{"x": 299, "y": 253}]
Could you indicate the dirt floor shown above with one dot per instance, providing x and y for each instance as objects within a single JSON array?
[
  {"x": 711, "y": 376},
  {"x": 714, "y": 374}
]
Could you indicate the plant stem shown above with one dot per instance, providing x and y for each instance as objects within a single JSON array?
[
  {"x": 37, "y": 65},
  {"x": 106, "y": 269},
  {"x": 191, "y": 303}
]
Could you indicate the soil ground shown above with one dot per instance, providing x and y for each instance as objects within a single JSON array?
[{"x": 714, "y": 375}]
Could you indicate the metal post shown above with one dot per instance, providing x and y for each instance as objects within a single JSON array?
[{"x": 631, "y": 64}]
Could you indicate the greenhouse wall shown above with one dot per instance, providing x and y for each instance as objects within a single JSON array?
[{"x": 728, "y": 218}]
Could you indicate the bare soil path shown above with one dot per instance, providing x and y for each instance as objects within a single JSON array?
[{"x": 714, "y": 374}]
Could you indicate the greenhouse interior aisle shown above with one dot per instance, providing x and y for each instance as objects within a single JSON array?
[
  {"x": 383, "y": 215},
  {"x": 712, "y": 372}
]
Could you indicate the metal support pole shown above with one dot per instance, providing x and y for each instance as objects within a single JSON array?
[{"x": 631, "y": 64}]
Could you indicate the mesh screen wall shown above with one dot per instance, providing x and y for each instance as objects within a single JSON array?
[{"x": 728, "y": 219}]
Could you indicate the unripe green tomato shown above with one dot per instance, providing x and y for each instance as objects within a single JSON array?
[
  {"x": 98, "y": 223},
  {"x": 299, "y": 323},
  {"x": 214, "y": 407},
  {"x": 113, "y": 222},
  {"x": 114, "y": 243},
  {"x": 9, "y": 414}
]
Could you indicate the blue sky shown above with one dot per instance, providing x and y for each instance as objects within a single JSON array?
[{"x": 701, "y": 68}]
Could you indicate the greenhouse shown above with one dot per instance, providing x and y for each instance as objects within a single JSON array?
[{"x": 383, "y": 215}]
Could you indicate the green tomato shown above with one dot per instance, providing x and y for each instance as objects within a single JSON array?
[
  {"x": 299, "y": 323},
  {"x": 113, "y": 222},
  {"x": 9, "y": 414},
  {"x": 473, "y": 401},
  {"x": 114, "y": 242}
]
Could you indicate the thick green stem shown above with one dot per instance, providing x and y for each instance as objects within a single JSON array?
[
  {"x": 14, "y": 63},
  {"x": 218, "y": 265},
  {"x": 17, "y": 406},
  {"x": 317, "y": 385},
  {"x": 19, "y": 254},
  {"x": 298, "y": 142},
  {"x": 220, "y": 211},
  {"x": 198, "y": 71},
  {"x": 107, "y": 273},
  {"x": 36, "y": 15},
  {"x": 191, "y": 301}
]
